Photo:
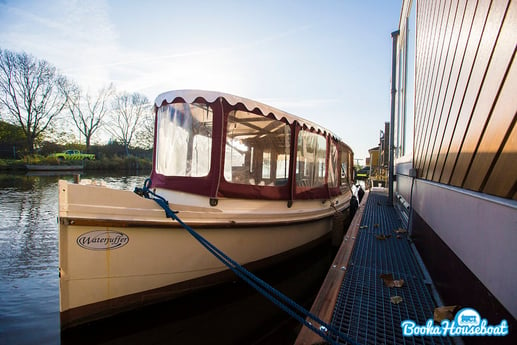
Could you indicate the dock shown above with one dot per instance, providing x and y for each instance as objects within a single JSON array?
[
  {"x": 59, "y": 168},
  {"x": 375, "y": 282}
]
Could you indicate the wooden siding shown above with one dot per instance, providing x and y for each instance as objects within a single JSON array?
[{"x": 466, "y": 94}]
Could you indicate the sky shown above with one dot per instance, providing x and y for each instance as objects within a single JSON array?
[{"x": 327, "y": 61}]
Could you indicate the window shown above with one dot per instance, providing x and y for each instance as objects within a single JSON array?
[
  {"x": 404, "y": 119},
  {"x": 333, "y": 166},
  {"x": 409, "y": 112},
  {"x": 282, "y": 166},
  {"x": 184, "y": 139},
  {"x": 257, "y": 150},
  {"x": 310, "y": 160},
  {"x": 266, "y": 165},
  {"x": 345, "y": 159}
]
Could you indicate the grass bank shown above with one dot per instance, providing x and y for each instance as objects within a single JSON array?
[{"x": 119, "y": 164}]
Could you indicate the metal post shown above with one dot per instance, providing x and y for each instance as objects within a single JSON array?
[{"x": 394, "y": 36}]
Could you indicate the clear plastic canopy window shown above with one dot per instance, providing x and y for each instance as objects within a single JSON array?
[
  {"x": 333, "y": 166},
  {"x": 310, "y": 160},
  {"x": 257, "y": 150},
  {"x": 184, "y": 139}
]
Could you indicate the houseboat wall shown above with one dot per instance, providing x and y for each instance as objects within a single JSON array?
[{"x": 455, "y": 147}]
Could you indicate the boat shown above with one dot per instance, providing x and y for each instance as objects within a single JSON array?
[
  {"x": 454, "y": 140},
  {"x": 47, "y": 167},
  {"x": 255, "y": 181}
]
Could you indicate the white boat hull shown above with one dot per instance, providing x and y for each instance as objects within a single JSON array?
[{"x": 118, "y": 251}]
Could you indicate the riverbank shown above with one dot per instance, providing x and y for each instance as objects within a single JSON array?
[{"x": 115, "y": 163}]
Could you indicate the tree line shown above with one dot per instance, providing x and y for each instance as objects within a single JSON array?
[{"x": 40, "y": 104}]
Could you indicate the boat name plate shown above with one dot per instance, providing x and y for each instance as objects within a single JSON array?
[{"x": 102, "y": 240}]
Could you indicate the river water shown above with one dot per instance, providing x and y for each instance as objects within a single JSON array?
[{"x": 29, "y": 285}]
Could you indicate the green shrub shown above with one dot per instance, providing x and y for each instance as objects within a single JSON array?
[
  {"x": 12, "y": 164},
  {"x": 114, "y": 163}
]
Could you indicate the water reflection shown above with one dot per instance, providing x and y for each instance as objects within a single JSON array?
[
  {"x": 28, "y": 259},
  {"x": 29, "y": 283}
]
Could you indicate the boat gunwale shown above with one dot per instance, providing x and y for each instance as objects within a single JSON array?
[{"x": 168, "y": 223}]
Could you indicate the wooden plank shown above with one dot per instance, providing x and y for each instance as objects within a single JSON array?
[
  {"x": 468, "y": 85},
  {"x": 439, "y": 31},
  {"x": 445, "y": 97},
  {"x": 425, "y": 19},
  {"x": 325, "y": 301},
  {"x": 426, "y": 94},
  {"x": 430, "y": 139},
  {"x": 504, "y": 109},
  {"x": 489, "y": 70},
  {"x": 503, "y": 177},
  {"x": 422, "y": 54},
  {"x": 455, "y": 89}
]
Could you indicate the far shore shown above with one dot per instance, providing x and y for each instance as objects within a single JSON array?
[{"x": 130, "y": 163}]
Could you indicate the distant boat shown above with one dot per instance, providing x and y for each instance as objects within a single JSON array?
[
  {"x": 39, "y": 167},
  {"x": 255, "y": 181}
]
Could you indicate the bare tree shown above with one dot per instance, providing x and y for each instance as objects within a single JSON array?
[
  {"x": 89, "y": 111},
  {"x": 128, "y": 114},
  {"x": 145, "y": 134},
  {"x": 32, "y": 93}
]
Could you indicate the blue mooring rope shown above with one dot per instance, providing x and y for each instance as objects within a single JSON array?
[{"x": 326, "y": 331}]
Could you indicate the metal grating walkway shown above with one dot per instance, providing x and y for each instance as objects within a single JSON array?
[{"x": 363, "y": 309}]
